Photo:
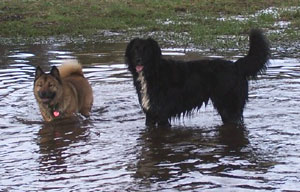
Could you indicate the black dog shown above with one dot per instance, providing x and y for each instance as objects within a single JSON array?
[{"x": 169, "y": 88}]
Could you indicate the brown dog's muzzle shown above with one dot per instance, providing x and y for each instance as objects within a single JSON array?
[{"x": 46, "y": 96}]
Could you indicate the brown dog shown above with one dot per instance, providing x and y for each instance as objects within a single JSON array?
[{"x": 63, "y": 92}]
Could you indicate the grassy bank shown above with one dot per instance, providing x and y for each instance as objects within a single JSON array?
[{"x": 194, "y": 21}]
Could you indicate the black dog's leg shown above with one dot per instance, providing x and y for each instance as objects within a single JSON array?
[
  {"x": 230, "y": 109},
  {"x": 231, "y": 117},
  {"x": 164, "y": 122},
  {"x": 230, "y": 113},
  {"x": 150, "y": 120}
]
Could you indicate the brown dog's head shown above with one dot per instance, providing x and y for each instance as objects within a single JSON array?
[{"x": 47, "y": 87}]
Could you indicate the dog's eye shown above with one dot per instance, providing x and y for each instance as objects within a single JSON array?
[
  {"x": 50, "y": 85},
  {"x": 39, "y": 85}
]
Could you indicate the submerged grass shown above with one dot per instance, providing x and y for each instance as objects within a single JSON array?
[{"x": 194, "y": 21}]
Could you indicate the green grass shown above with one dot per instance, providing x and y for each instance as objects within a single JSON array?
[{"x": 196, "y": 21}]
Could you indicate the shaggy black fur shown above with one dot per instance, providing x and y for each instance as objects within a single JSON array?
[{"x": 167, "y": 88}]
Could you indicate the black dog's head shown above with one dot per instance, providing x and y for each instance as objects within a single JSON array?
[{"x": 142, "y": 55}]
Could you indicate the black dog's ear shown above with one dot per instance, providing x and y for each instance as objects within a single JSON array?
[
  {"x": 55, "y": 73},
  {"x": 129, "y": 48},
  {"x": 38, "y": 72},
  {"x": 155, "y": 55},
  {"x": 155, "y": 46}
]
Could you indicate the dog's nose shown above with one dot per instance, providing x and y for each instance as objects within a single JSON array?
[
  {"x": 138, "y": 60},
  {"x": 42, "y": 94},
  {"x": 46, "y": 95}
]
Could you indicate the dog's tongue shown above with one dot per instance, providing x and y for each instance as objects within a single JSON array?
[
  {"x": 45, "y": 100},
  {"x": 139, "y": 68}
]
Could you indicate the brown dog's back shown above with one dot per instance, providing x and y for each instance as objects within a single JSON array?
[
  {"x": 83, "y": 90},
  {"x": 71, "y": 73}
]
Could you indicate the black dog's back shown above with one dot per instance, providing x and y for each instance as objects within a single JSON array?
[
  {"x": 189, "y": 85},
  {"x": 182, "y": 86}
]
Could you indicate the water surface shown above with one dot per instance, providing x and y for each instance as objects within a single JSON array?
[{"x": 114, "y": 151}]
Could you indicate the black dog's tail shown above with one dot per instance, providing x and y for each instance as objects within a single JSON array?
[{"x": 257, "y": 60}]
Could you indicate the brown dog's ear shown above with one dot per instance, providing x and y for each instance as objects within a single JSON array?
[
  {"x": 38, "y": 72},
  {"x": 55, "y": 73}
]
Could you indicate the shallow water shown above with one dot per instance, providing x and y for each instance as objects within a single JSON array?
[{"x": 113, "y": 150}]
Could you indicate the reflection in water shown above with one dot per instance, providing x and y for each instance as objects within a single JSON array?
[
  {"x": 190, "y": 159},
  {"x": 171, "y": 153},
  {"x": 55, "y": 139},
  {"x": 233, "y": 137}
]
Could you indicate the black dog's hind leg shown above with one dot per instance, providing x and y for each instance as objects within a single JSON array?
[
  {"x": 229, "y": 116},
  {"x": 230, "y": 110},
  {"x": 231, "y": 105}
]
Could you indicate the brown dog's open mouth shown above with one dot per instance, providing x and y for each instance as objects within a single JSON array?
[
  {"x": 46, "y": 97},
  {"x": 139, "y": 68},
  {"x": 46, "y": 100}
]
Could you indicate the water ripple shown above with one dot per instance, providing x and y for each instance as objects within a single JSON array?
[{"x": 113, "y": 150}]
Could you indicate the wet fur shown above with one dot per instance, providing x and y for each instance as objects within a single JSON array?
[
  {"x": 64, "y": 89},
  {"x": 175, "y": 88}
]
